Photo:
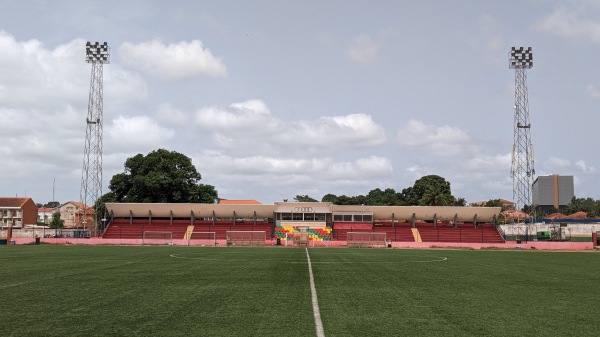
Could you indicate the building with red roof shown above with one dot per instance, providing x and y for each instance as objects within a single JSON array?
[
  {"x": 17, "y": 212},
  {"x": 71, "y": 213}
]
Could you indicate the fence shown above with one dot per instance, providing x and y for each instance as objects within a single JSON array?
[{"x": 47, "y": 233}]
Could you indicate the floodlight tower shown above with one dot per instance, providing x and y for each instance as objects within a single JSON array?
[
  {"x": 91, "y": 181},
  {"x": 522, "y": 170}
]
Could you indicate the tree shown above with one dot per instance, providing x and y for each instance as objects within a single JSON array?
[
  {"x": 56, "y": 221},
  {"x": 52, "y": 204},
  {"x": 162, "y": 176},
  {"x": 431, "y": 190},
  {"x": 588, "y": 205},
  {"x": 460, "y": 202},
  {"x": 100, "y": 205},
  {"x": 304, "y": 198},
  {"x": 332, "y": 198},
  {"x": 493, "y": 203},
  {"x": 388, "y": 197},
  {"x": 344, "y": 200}
]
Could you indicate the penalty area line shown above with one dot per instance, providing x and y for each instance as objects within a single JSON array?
[{"x": 315, "y": 301}]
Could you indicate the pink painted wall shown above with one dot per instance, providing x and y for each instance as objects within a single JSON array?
[{"x": 539, "y": 245}]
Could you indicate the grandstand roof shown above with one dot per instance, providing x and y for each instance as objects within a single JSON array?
[{"x": 468, "y": 214}]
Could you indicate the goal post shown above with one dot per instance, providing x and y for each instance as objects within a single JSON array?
[
  {"x": 299, "y": 239},
  {"x": 246, "y": 238},
  {"x": 157, "y": 238},
  {"x": 366, "y": 239},
  {"x": 202, "y": 239}
]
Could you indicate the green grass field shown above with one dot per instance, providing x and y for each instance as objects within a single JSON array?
[{"x": 196, "y": 291}]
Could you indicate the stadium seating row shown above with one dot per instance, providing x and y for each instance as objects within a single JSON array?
[
  {"x": 399, "y": 232},
  {"x": 316, "y": 234}
]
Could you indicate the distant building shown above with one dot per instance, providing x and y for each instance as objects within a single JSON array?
[
  {"x": 71, "y": 213},
  {"x": 17, "y": 212},
  {"x": 552, "y": 192},
  {"x": 506, "y": 204},
  {"x": 45, "y": 215}
]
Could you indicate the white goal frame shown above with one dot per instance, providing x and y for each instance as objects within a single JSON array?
[
  {"x": 203, "y": 238},
  {"x": 157, "y": 238},
  {"x": 366, "y": 239},
  {"x": 246, "y": 238},
  {"x": 299, "y": 239}
]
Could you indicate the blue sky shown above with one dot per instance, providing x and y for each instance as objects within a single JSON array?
[{"x": 272, "y": 99}]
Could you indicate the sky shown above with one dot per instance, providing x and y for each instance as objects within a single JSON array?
[{"x": 275, "y": 98}]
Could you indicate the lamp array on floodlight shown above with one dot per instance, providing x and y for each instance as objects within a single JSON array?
[
  {"x": 520, "y": 58},
  {"x": 97, "y": 52}
]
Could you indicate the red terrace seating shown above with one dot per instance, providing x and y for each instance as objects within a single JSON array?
[
  {"x": 341, "y": 228},
  {"x": 220, "y": 227},
  {"x": 397, "y": 233},
  {"x": 485, "y": 233},
  {"x": 122, "y": 229}
]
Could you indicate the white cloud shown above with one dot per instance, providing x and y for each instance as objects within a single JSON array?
[
  {"x": 592, "y": 91},
  {"x": 364, "y": 49},
  {"x": 36, "y": 76},
  {"x": 170, "y": 114},
  {"x": 355, "y": 130},
  {"x": 176, "y": 61},
  {"x": 555, "y": 165},
  {"x": 253, "y": 119},
  {"x": 488, "y": 163},
  {"x": 136, "y": 134},
  {"x": 290, "y": 174},
  {"x": 360, "y": 169},
  {"x": 249, "y": 117},
  {"x": 583, "y": 166},
  {"x": 572, "y": 23},
  {"x": 41, "y": 78},
  {"x": 438, "y": 140},
  {"x": 487, "y": 38}
]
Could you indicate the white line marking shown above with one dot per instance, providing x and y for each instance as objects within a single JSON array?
[{"x": 315, "y": 301}]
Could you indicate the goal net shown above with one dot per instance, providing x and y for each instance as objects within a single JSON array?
[
  {"x": 299, "y": 239},
  {"x": 202, "y": 239},
  {"x": 366, "y": 239},
  {"x": 246, "y": 238},
  {"x": 157, "y": 238}
]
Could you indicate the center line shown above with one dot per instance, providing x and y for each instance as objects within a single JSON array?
[{"x": 315, "y": 301}]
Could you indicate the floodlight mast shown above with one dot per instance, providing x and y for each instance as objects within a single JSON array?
[
  {"x": 91, "y": 181},
  {"x": 522, "y": 169}
]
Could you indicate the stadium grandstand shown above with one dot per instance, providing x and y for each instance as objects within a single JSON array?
[{"x": 312, "y": 222}]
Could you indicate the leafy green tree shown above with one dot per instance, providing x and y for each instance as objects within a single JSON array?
[
  {"x": 431, "y": 190},
  {"x": 52, "y": 204},
  {"x": 493, "y": 203},
  {"x": 460, "y": 202},
  {"x": 588, "y": 205},
  {"x": 55, "y": 221},
  {"x": 304, "y": 198},
  {"x": 100, "y": 205},
  {"x": 344, "y": 200},
  {"x": 332, "y": 198},
  {"x": 387, "y": 197},
  {"x": 359, "y": 200},
  {"x": 162, "y": 176}
]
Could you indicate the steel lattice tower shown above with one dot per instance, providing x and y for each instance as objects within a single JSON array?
[
  {"x": 522, "y": 170},
  {"x": 91, "y": 181}
]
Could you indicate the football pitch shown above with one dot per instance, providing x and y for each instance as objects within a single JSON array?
[{"x": 54, "y": 290}]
